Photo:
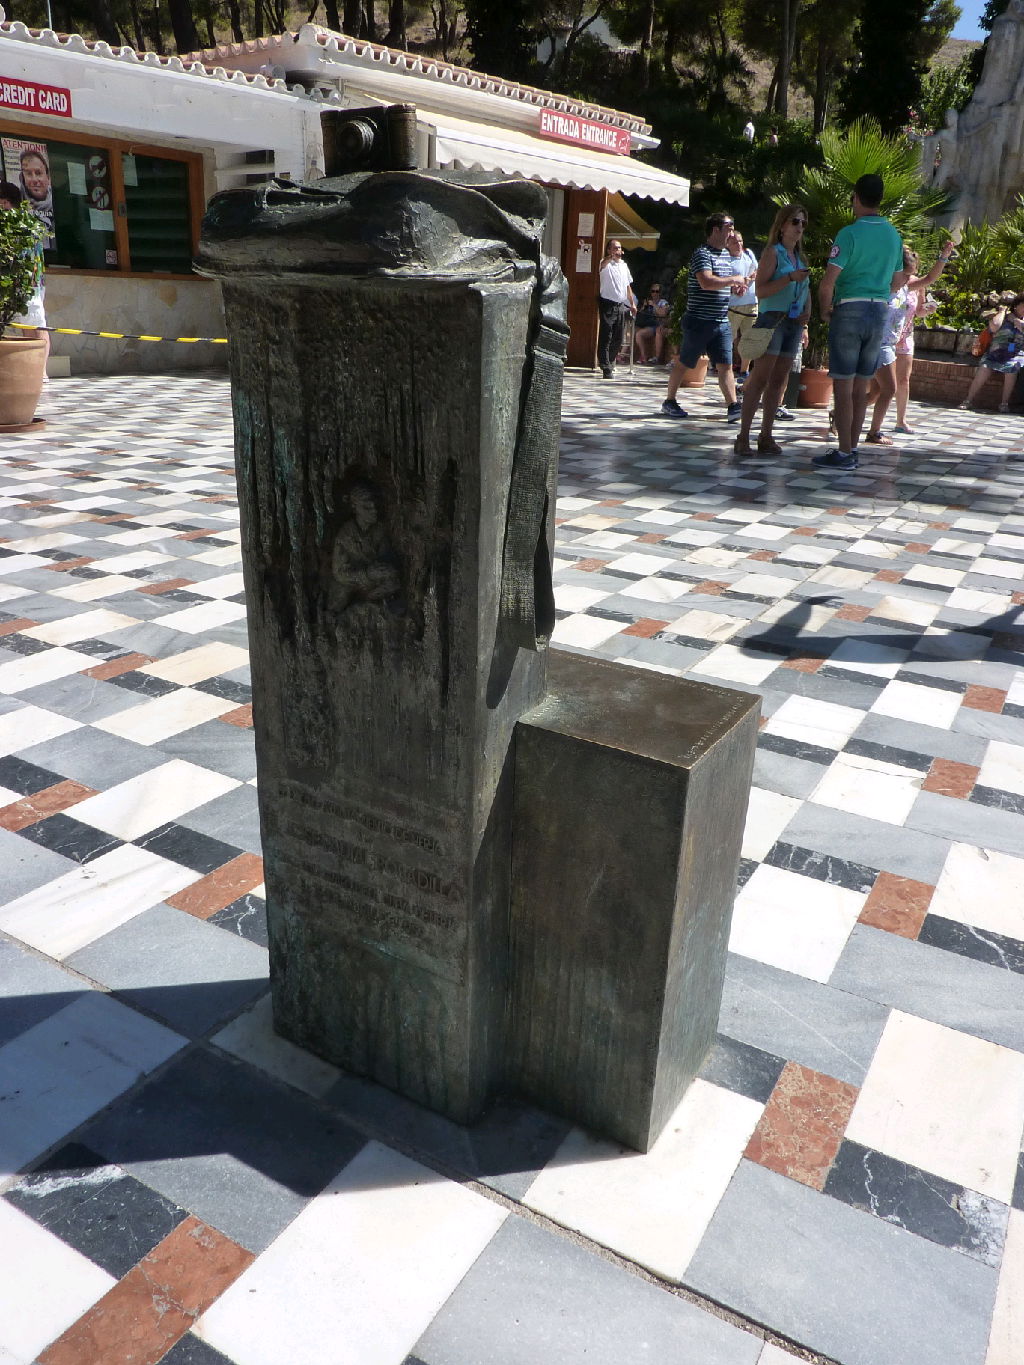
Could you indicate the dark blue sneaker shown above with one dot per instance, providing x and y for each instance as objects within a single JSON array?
[
  {"x": 734, "y": 412},
  {"x": 835, "y": 459},
  {"x": 670, "y": 408}
]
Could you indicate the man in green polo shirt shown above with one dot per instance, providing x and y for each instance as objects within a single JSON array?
[{"x": 854, "y": 299}]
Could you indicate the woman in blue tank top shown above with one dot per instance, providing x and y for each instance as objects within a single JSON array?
[{"x": 783, "y": 307}]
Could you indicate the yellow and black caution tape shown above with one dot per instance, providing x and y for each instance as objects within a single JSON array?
[{"x": 113, "y": 336}]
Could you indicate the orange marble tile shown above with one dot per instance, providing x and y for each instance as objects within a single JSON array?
[
  {"x": 113, "y": 668},
  {"x": 852, "y": 612},
  {"x": 703, "y": 516},
  {"x": 897, "y": 904},
  {"x": 917, "y": 547},
  {"x": 20, "y": 814},
  {"x": 765, "y": 555},
  {"x": 799, "y": 1133},
  {"x": 195, "y": 535},
  {"x": 646, "y": 627},
  {"x": 947, "y": 778},
  {"x": 803, "y": 663},
  {"x": 652, "y": 538},
  {"x": 838, "y": 511},
  {"x": 984, "y": 698},
  {"x": 9, "y": 627},
  {"x": 219, "y": 888},
  {"x": 805, "y": 531},
  {"x": 153, "y": 1306},
  {"x": 66, "y": 565},
  {"x": 612, "y": 502},
  {"x": 154, "y": 589},
  {"x": 889, "y": 575},
  {"x": 940, "y": 525},
  {"x": 1017, "y": 599},
  {"x": 710, "y": 587},
  {"x": 241, "y": 716},
  {"x": 590, "y": 565}
]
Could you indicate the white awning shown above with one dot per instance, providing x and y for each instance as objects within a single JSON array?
[{"x": 474, "y": 146}]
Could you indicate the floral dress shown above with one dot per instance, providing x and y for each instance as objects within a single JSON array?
[{"x": 1005, "y": 353}]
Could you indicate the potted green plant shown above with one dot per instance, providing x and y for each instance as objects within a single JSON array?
[
  {"x": 22, "y": 358},
  {"x": 815, "y": 383}
]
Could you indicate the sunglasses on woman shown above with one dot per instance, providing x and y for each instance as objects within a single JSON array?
[{"x": 799, "y": 222}]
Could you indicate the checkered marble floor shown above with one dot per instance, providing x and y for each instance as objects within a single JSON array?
[{"x": 844, "y": 1182}]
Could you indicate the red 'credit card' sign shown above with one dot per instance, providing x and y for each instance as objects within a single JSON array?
[
  {"x": 584, "y": 132},
  {"x": 33, "y": 98}
]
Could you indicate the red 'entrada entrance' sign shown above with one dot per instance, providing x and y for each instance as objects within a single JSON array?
[
  {"x": 584, "y": 132},
  {"x": 35, "y": 99}
]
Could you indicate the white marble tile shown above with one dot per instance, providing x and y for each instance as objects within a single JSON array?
[
  {"x": 865, "y": 656},
  {"x": 571, "y": 597},
  {"x": 865, "y": 786},
  {"x": 690, "y": 536},
  {"x": 606, "y": 540},
  {"x": 733, "y": 665},
  {"x": 712, "y": 557},
  {"x": 876, "y": 549},
  {"x": 45, "y": 1286},
  {"x": 654, "y": 1208},
  {"x": 1015, "y": 692},
  {"x": 93, "y": 589},
  {"x": 920, "y": 705},
  {"x": 162, "y": 717},
  {"x": 983, "y": 888},
  {"x": 651, "y": 668},
  {"x": 572, "y": 504},
  {"x": 585, "y": 631},
  {"x": 87, "y": 625},
  {"x": 795, "y": 923},
  {"x": 742, "y": 515},
  {"x": 906, "y": 609},
  {"x": 71, "y": 911},
  {"x": 986, "y": 603},
  {"x": 1003, "y": 767},
  {"x": 775, "y": 1355},
  {"x": 9, "y": 591},
  {"x": 140, "y": 804},
  {"x": 29, "y": 725},
  {"x": 57, "y": 1074},
  {"x": 13, "y": 564},
  {"x": 1006, "y": 1341},
  {"x": 707, "y": 625},
  {"x": 815, "y": 722},
  {"x": 196, "y": 665},
  {"x": 769, "y": 533},
  {"x": 205, "y": 616},
  {"x": 591, "y": 521},
  {"x": 251, "y": 1037},
  {"x": 663, "y": 518},
  {"x": 922, "y": 1097},
  {"x": 32, "y": 670},
  {"x": 140, "y": 559},
  {"x": 768, "y": 814},
  {"x": 53, "y": 540},
  {"x": 953, "y": 644},
  {"x": 227, "y": 585},
  {"x": 997, "y": 568},
  {"x": 656, "y": 589},
  {"x": 643, "y": 564},
  {"x": 842, "y": 578},
  {"x": 220, "y": 555},
  {"x": 766, "y": 585},
  {"x": 360, "y": 1273}
]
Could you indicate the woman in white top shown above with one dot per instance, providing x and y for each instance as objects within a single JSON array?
[{"x": 896, "y": 358}]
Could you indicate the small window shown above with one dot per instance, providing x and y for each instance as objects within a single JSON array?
[{"x": 159, "y": 219}]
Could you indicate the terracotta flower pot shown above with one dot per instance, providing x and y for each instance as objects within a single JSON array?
[
  {"x": 22, "y": 367},
  {"x": 815, "y": 388},
  {"x": 694, "y": 378}
]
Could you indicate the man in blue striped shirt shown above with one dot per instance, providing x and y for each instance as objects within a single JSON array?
[{"x": 710, "y": 284}]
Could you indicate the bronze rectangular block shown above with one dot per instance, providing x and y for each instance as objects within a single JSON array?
[{"x": 631, "y": 792}]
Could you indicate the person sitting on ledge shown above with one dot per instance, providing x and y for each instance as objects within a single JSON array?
[
  {"x": 650, "y": 328},
  {"x": 1005, "y": 354}
]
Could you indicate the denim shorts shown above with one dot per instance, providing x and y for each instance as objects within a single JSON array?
[
  {"x": 855, "y": 338},
  {"x": 703, "y": 336},
  {"x": 886, "y": 356},
  {"x": 787, "y": 334}
]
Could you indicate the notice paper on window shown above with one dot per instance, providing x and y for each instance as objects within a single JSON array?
[
  {"x": 101, "y": 220},
  {"x": 76, "y": 177},
  {"x": 129, "y": 169}
]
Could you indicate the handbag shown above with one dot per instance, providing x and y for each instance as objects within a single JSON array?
[
  {"x": 755, "y": 341},
  {"x": 981, "y": 343}
]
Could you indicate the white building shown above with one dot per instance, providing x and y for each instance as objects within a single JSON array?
[{"x": 135, "y": 144}]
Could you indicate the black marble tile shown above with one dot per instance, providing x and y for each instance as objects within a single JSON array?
[
  {"x": 687, "y": 641},
  {"x": 71, "y": 838},
  {"x": 99, "y": 649},
  {"x": 87, "y": 571},
  {"x": 187, "y": 847},
  {"x": 246, "y": 917},
  {"x": 795, "y": 748},
  {"x": 998, "y": 800},
  {"x": 980, "y": 944},
  {"x": 182, "y": 595},
  {"x": 18, "y": 775},
  {"x": 23, "y": 644},
  {"x": 192, "y": 1350},
  {"x": 748, "y": 866},
  {"x": 849, "y": 675},
  {"x": 918, "y": 1201},
  {"x": 887, "y": 753},
  {"x": 226, "y": 688},
  {"x": 138, "y": 573},
  {"x": 823, "y": 867},
  {"x": 606, "y": 614},
  {"x": 6, "y": 553},
  {"x": 1012, "y": 710},
  {"x": 98, "y": 1209},
  {"x": 60, "y": 555},
  {"x": 742, "y": 1068},
  {"x": 908, "y": 675},
  {"x": 145, "y": 683},
  {"x": 1018, "y": 1184}
]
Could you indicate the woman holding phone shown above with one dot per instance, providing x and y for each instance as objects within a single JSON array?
[{"x": 783, "y": 307}]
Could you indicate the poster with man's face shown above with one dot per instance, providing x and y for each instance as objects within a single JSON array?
[{"x": 27, "y": 166}]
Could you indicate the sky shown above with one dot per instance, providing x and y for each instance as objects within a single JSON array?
[{"x": 967, "y": 25}]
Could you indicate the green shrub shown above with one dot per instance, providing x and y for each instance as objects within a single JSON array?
[{"x": 20, "y": 235}]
